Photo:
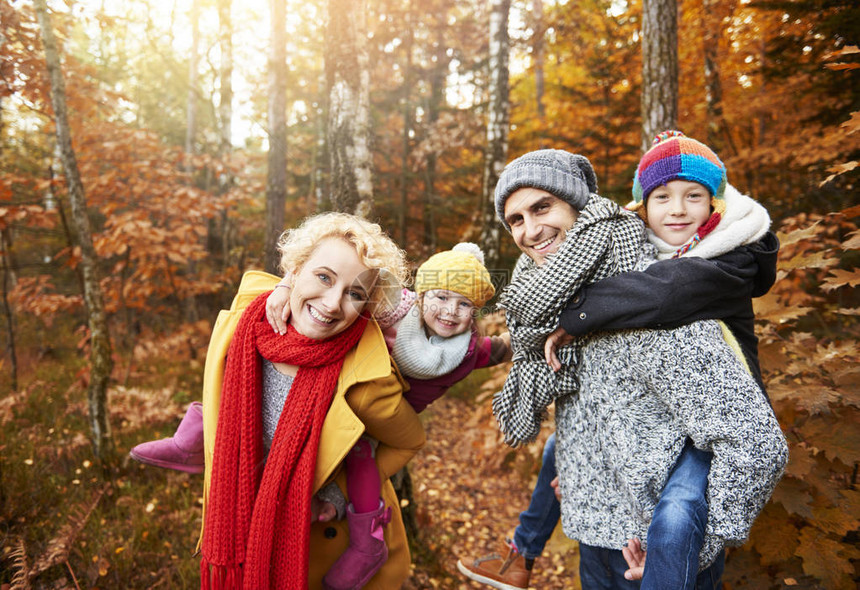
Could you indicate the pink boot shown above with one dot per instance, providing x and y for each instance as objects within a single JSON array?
[
  {"x": 183, "y": 451},
  {"x": 366, "y": 552}
]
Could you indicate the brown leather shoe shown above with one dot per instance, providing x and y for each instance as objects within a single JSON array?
[{"x": 505, "y": 570}]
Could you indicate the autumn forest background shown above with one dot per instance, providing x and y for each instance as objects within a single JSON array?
[{"x": 151, "y": 152}]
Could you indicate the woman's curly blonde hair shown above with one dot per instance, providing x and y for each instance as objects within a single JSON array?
[{"x": 375, "y": 250}]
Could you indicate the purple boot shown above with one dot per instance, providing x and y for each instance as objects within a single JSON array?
[
  {"x": 366, "y": 552},
  {"x": 183, "y": 451}
]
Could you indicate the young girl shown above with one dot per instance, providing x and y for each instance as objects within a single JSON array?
[{"x": 434, "y": 340}]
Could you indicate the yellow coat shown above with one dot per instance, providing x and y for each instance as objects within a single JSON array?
[{"x": 368, "y": 399}]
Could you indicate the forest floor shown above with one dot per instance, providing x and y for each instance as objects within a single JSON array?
[
  {"x": 65, "y": 523},
  {"x": 469, "y": 490}
]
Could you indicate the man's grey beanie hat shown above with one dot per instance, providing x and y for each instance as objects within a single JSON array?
[{"x": 567, "y": 176}]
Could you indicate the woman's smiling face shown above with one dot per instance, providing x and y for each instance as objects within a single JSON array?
[{"x": 330, "y": 291}]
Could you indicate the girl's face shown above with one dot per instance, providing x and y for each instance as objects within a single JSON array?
[
  {"x": 446, "y": 313},
  {"x": 677, "y": 210},
  {"x": 330, "y": 290}
]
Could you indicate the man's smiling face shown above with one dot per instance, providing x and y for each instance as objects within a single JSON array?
[{"x": 539, "y": 221}]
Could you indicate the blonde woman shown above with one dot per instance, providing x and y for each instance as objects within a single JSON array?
[{"x": 288, "y": 408}]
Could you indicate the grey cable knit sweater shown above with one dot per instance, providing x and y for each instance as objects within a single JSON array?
[{"x": 643, "y": 392}]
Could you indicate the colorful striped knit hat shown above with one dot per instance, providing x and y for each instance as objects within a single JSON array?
[{"x": 674, "y": 156}]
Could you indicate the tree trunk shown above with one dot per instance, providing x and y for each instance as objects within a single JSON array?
[
  {"x": 718, "y": 133},
  {"x": 189, "y": 304},
  {"x": 402, "y": 483},
  {"x": 276, "y": 183},
  {"x": 191, "y": 98},
  {"x": 220, "y": 226},
  {"x": 498, "y": 117},
  {"x": 408, "y": 123},
  {"x": 659, "y": 68},
  {"x": 101, "y": 362},
  {"x": 538, "y": 30},
  {"x": 225, "y": 104},
  {"x": 8, "y": 279},
  {"x": 320, "y": 153},
  {"x": 348, "y": 82},
  {"x": 6, "y": 246},
  {"x": 438, "y": 77}
]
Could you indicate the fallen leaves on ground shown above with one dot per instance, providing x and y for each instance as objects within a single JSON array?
[{"x": 469, "y": 489}]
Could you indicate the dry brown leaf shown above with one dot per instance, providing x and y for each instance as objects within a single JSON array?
[{"x": 840, "y": 278}]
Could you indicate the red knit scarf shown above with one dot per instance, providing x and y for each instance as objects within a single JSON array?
[{"x": 257, "y": 529}]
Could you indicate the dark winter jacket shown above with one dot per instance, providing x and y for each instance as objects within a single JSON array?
[{"x": 672, "y": 293}]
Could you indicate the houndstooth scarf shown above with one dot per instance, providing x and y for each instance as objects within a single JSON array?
[{"x": 605, "y": 240}]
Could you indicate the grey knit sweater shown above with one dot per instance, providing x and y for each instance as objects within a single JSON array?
[{"x": 643, "y": 392}]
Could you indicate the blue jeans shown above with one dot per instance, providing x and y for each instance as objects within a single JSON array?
[
  {"x": 603, "y": 569},
  {"x": 538, "y": 520},
  {"x": 677, "y": 528}
]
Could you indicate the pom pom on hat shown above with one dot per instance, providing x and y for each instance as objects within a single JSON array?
[
  {"x": 674, "y": 156},
  {"x": 471, "y": 248},
  {"x": 461, "y": 270},
  {"x": 567, "y": 176}
]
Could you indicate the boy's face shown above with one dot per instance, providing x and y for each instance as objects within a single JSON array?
[
  {"x": 446, "y": 313},
  {"x": 677, "y": 210},
  {"x": 539, "y": 221}
]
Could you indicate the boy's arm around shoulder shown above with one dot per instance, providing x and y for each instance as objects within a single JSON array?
[{"x": 672, "y": 293}]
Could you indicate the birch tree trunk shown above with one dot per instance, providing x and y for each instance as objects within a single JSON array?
[
  {"x": 348, "y": 83},
  {"x": 101, "y": 362},
  {"x": 498, "y": 117},
  {"x": 320, "y": 154},
  {"x": 659, "y": 68},
  {"x": 225, "y": 104},
  {"x": 276, "y": 181}
]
